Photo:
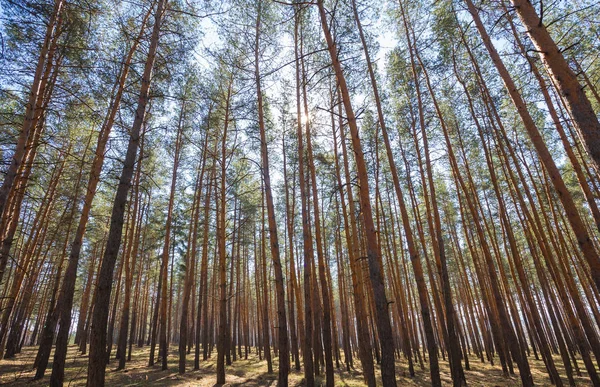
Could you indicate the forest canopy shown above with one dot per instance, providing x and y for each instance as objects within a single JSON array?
[{"x": 321, "y": 192}]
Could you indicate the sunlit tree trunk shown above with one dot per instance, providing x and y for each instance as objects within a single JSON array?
[
  {"x": 585, "y": 243},
  {"x": 324, "y": 287},
  {"x": 307, "y": 351},
  {"x": 565, "y": 80},
  {"x": 352, "y": 241},
  {"x": 33, "y": 108},
  {"x": 282, "y": 336},
  {"x": 294, "y": 296},
  {"x": 384, "y": 327},
  {"x": 262, "y": 272},
  {"x": 163, "y": 341},
  {"x": 130, "y": 262},
  {"x": 27, "y": 261},
  {"x": 515, "y": 253},
  {"x": 439, "y": 247},
  {"x": 190, "y": 263}
]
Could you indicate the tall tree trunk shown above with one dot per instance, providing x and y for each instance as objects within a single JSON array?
[
  {"x": 190, "y": 261},
  {"x": 97, "y": 359},
  {"x": 458, "y": 376},
  {"x": 163, "y": 342},
  {"x": 222, "y": 248},
  {"x": 284, "y": 357},
  {"x": 202, "y": 296},
  {"x": 352, "y": 239},
  {"x": 384, "y": 326},
  {"x": 326, "y": 298},
  {"x": 154, "y": 320},
  {"x": 65, "y": 300},
  {"x": 266, "y": 335},
  {"x": 307, "y": 351},
  {"x": 130, "y": 258},
  {"x": 293, "y": 284}
]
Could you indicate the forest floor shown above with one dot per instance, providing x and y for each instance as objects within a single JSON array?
[{"x": 248, "y": 373}]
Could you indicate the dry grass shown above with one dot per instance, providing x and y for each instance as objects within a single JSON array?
[{"x": 251, "y": 372}]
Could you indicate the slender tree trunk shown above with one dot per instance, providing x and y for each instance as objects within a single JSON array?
[
  {"x": 190, "y": 264},
  {"x": 130, "y": 258},
  {"x": 307, "y": 351},
  {"x": 163, "y": 341},
  {"x": 352, "y": 239},
  {"x": 221, "y": 239},
  {"x": 154, "y": 321},
  {"x": 293, "y": 284},
  {"x": 324, "y": 287},
  {"x": 458, "y": 376},
  {"x": 284, "y": 359},
  {"x": 202, "y": 296},
  {"x": 384, "y": 327},
  {"x": 266, "y": 335},
  {"x": 97, "y": 359}
]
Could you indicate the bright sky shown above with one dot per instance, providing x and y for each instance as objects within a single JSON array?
[{"x": 272, "y": 85}]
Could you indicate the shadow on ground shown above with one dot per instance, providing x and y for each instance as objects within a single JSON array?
[{"x": 250, "y": 372}]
